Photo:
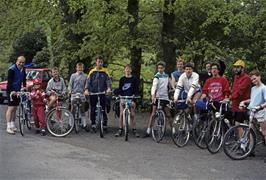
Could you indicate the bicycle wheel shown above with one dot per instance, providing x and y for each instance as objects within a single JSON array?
[
  {"x": 21, "y": 119},
  {"x": 76, "y": 120},
  {"x": 158, "y": 126},
  {"x": 238, "y": 146},
  {"x": 180, "y": 130},
  {"x": 27, "y": 119},
  {"x": 199, "y": 132},
  {"x": 214, "y": 136},
  {"x": 60, "y": 122},
  {"x": 126, "y": 120},
  {"x": 100, "y": 121}
]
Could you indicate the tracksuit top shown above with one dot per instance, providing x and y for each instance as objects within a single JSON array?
[
  {"x": 16, "y": 77},
  {"x": 160, "y": 86},
  {"x": 77, "y": 83}
]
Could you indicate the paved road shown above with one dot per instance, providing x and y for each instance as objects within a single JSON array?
[{"x": 87, "y": 156}]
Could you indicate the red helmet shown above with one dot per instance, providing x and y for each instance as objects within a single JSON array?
[{"x": 37, "y": 81}]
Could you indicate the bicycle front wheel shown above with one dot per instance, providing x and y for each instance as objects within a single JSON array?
[
  {"x": 21, "y": 119},
  {"x": 99, "y": 119},
  {"x": 158, "y": 126},
  {"x": 214, "y": 137},
  {"x": 199, "y": 133},
  {"x": 126, "y": 123},
  {"x": 180, "y": 130},
  {"x": 60, "y": 122},
  {"x": 239, "y": 142}
]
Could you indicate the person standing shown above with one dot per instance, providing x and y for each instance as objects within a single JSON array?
[
  {"x": 177, "y": 73},
  {"x": 240, "y": 91},
  {"x": 15, "y": 79}
]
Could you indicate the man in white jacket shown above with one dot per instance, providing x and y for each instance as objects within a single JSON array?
[
  {"x": 188, "y": 82},
  {"x": 160, "y": 88}
]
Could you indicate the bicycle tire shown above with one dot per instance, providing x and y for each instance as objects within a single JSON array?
[
  {"x": 21, "y": 119},
  {"x": 57, "y": 125},
  {"x": 232, "y": 142},
  {"x": 199, "y": 132},
  {"x": 214, "y": 136},
  {"x": 76, "y": 120},
  {"x": 180, "y": 130},
  {"x": 27, "y": 120},
  {"x": 158, "y": 126},
  {"x": 100, "y": 120},
  {"x": 126, "y": 120}
]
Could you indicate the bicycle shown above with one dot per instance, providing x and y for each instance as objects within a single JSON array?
[
  {"x": 217, "y": 128},
  {"x": 126, "y": 112},
  {"x": 78, "y": 99},
  {"x": 99, "y": 113},
  {"x": 159, "y": 121},
  {"x": 24, "y": 112},
  {"x": 60, "y": 121},
  {"x": 182, "y": 125},
  {"x": 239, "y": 146}
]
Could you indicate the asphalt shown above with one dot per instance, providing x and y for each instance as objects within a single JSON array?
[{"x": 87, "y": 156}]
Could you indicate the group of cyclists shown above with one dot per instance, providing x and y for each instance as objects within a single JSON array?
[{"x": 185, "y": 82}]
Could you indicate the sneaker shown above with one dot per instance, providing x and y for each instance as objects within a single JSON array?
[
  {"x": 93, "y": 127},
  {"x": 119, "y": 133},
  {"x": 10, "y": 131},
  {"x": 43, "y": 132},
  {"x": 146, "y": 135},
  {"x": 135, "y": 133},
  {"x": 14, "y": 129},
  {"x": 87, "y": 128}
]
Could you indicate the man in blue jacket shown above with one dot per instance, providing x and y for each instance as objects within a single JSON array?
[
  {"x": 98, "y": 81},
  {"x": 15, "y": 78}
]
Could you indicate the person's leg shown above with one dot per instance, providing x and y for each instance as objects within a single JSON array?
[
  {"x": 133, "y": 120},
  {"x": 263, "y": 129},
  {"x": 52, "y": 100},
  {"x": 120, "y": 130},
  {"x": 41, "y": 119},
  {"x": 103, "y": 104},
  {"x": 93, "y": 101},
  {"x": 148, "y": 131},
  {"x": 9, "y": 116},
  {"x": 13, "y": 118}
]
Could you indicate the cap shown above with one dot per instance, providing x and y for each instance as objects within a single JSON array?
[{"x": 239, "y": 62}]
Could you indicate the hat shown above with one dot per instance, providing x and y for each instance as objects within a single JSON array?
[{"x": 239, "y": 62}]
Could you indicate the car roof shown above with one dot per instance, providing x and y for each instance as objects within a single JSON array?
[{"x": 38, "y": 69}]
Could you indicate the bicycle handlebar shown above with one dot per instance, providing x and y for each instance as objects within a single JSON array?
[
  {"x": 98, "y": 93},
  {"x": 129, "y": 97}
]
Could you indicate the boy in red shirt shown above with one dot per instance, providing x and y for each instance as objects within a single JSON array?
[
  {"x": 216, "y": 87},
  {"x": 37, "y": 97}
]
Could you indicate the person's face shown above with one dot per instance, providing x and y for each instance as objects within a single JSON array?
[
  {"x": 79, "y": 69},
  {"x": 55, "y": 73},
  {"x": 99, "y": 63},
  {"x": 237, "y": 70},
  {"x": 128, "y": 71},
  {"x": 208, "y": 67},
  {"x": 20, "y": 62},
  {"x": 255, "y": 79},
  {"x": 179, "y": 65},
  {"x": 214, "y": 70},
  {"x": 188, "y": 71},
  {"x": 160, "y": 68}
]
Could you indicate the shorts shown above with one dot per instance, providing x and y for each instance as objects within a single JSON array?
[
  {"x": 240, "y": 116},
  {"x": 15, "y": 101},
  {"x": 261, "y": 115},
  {"x": 163, "y": 103}
]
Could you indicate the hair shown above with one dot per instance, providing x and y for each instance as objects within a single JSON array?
[
  {"x": 128, "y": 65},
  {"x": 162, "y": 63},
  {"x": 208, "y": 62},
  {"x": 99, "y": 57},
  {"x": 189, "y": 64},
  {"x": 79, "y": 64},
  {"x": 180, "y": 59},
  {"x": 255, "y": 72},
  {"x": 55, "y": 69},
  {"x": 215, "y": 64}
]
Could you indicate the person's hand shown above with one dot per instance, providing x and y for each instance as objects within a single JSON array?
[
  {"x": 153, "y": 99},
  {"x": 13, "y": 93},
  {"x": 258, "y": 108},
  {"x": 86, "y": 92},
  {"x": 189, "y": 101},
  {"x": 52, "y": 92},
  {"x": 241, "y": 105},
  {"x": 109, "y": 92}
]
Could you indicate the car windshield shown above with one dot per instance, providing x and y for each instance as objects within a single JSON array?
[{"x": 33, "y": 75}]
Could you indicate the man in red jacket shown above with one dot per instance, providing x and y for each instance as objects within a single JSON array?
[{"x": 240, "y": 91}]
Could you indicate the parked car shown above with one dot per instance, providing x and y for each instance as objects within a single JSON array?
[{"x": 31, "y": 73}]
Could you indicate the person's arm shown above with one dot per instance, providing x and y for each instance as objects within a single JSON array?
[
  {"x": 154, "y": 88},
  {"x": 70, "y": 84},
  {"x": 63, "y": 86},
  {"x": 109, "y": 83},
  {"x": 243, "y": 87},
  {"x": 49, "y": 87},
  {"x": 10, "y": 79},
  {"x": 179, "y": 87},
  {"x": 173, "y": 82},
  {"x": 194, "y": 85},
  {"x": 24, "y": 79},
  {"x": 226, "y": 89},
  {"x": 205, "y": 90}
]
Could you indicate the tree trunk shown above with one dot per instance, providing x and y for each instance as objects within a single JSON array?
[
  {"x": 135, "y": 51},
  {"x": 168, "y": 47}
]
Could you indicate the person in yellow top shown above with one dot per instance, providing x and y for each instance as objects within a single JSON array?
[{"x": 98, "y": 81}]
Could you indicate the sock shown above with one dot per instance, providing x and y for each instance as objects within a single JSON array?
[
  {"x": 148, "y": 130},
  {"x": 8, "y": 124},
  {"x": 83, "y": 121},
  {"x": 12, "y": 124}
]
